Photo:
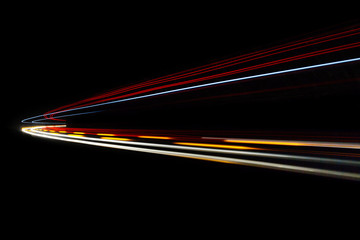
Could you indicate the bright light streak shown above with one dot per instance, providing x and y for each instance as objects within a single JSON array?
[
  {"x": 296, "y": 143},
  {"x": 257, "y": 163},
  {"x": 76, "y": 135},
  {"x": 289, "y": 157},
  {"x": 205, "y": 85},
  {"x": 154, "y": 137},
  {"x": 214, "y": 145},
  {"x": 105, "y": 134},
  {"x": 67, "y": 115},
  {"x": 116, "y": 139},
  {"x": 227, "y": 62}
]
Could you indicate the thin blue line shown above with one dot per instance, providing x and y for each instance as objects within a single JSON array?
[{"x": 68, "y": 115}]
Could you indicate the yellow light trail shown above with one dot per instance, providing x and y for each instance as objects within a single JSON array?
[
  {"x": 296, "y": 143},
  {"x": 76, "y": 135},
  {"x": 155, "y": 137},
  {"x": 115, "y": 138},
  {"x": 241, "y": 161},
  {"x": 214, "y": 145},
  {"x": 105, "y": 134},
  {"x": 78, "y": 132},
  {"x": 266, "y": 142}
]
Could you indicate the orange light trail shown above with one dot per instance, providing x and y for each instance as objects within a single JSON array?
[
  {"x": 155, "y": 137},
  {"x": 117, "y": 139},
  {"x": 215, "y": 145},
  {"x": 212, "y": 152},
  {"x": 270, "y": 142},
  {"x": 297, "y": 143}
]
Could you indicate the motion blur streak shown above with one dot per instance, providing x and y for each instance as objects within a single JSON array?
[
  {"x": 75, "y": 135},
  {"x": 224, "y": 111},
  {"x": 228, "y": 62},
  {"x": 203, "y": 85},
  {"x": 154, "y": 137},
  {"x": 296, "y": 143},
  {"x": 286, "y": 162},
  {"x": 301, "y": 44},
  {"x": 213, "y": 145},
  {"x": 67, "y": 115},
  {"x": 117, "y": 139}
]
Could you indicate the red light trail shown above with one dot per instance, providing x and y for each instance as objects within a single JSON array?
[{"x": 250, "y": 57}]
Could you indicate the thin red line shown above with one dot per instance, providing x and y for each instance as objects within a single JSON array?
[
  {"x": 231, "y": 61},
  {"x": 228, "y": 63},
  {"x": 325, "y": 51},
  {"x": 212, "y": 69},
  {"x": 330, "y": 50},
  {"x": 234, "y": 61}
]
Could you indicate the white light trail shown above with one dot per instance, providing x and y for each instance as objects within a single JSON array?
[
  {"x": 290, "y": 142},
  {"x": 224, "y": 151},
  {"x": 255, "y": 163}
]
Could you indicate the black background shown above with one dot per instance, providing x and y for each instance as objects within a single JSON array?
[{"x": 62, "y": 54}]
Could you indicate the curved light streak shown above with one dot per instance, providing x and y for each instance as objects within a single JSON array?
[
  {"x": 144, "y": 147},
  {"x": 67, "y": 115}
]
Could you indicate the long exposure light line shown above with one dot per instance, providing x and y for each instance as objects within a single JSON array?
[
  {"x": 209, "y": 84},
  {"x": 246, "y": 162},
  {"x": 296, "y": 143},
  {"x": 215, "y": 76},
  {"x": 289, "y": 142},
  {"x": 67, "y": 115},
  {"x": 210, "y": 148},
  {"x": 219, "y": 82},
  {"x": 224, "y": 63}
]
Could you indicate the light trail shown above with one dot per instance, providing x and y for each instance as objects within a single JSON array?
[
  {"x": 219, "y": 75},
  {"x": 214, "y": 153},
  {"x": 301, "y": 155},
  {"x": 229, "y": 73},
  {"x": 116, "y": 138},
  {"x": 295, "y": 143},
  {"x": 154, "y": 137},
  {"x": 214, "y": 145},
  {"x": 76, "y": 135},
  {"x": 208, "y": 85},
  {"x": 225, "y": 63},
  {"x": 67, "y": 115}
]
